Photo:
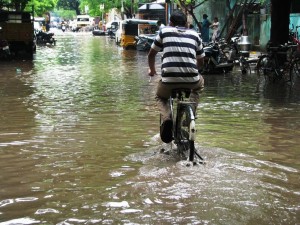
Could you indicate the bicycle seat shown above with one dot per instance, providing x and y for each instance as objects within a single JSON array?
[{"x": 179, "y": 92}]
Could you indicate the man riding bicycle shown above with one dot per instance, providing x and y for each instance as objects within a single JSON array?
[{"x": 182, "y": 57}]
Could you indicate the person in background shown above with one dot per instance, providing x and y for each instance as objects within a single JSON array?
[
  {"x": 215, "y": 27},
  {"x": 205, "y": 29},
  {"x": 159, "y": 25},
  {"x": 182, "y": 57},
  {"x": 191, "y": 26},
  {"x": 47, "y": 21}
]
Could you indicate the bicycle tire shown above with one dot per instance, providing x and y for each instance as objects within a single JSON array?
[
  {"x": 295, "y": 70},
  {"x": 265, "y": 65},
  {"x": 185, "y": 130},
  {"x": 244, "y": 66}
]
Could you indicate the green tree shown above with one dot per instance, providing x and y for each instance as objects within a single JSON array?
[
  {"x": 42, "y": 6},
  {"x": 69, "y": 5},
  {"x": 64, "y": 14},
  {"x": 129, "y": 6}
]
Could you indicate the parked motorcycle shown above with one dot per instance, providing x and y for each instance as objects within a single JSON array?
[
  {"x": 240, "y": 53},
  {"x": 111, "y": 32},
  {"x": 215, "y": 61},
  {"x": 45, "y": 38},
  {"x": 4, "y": 48}
]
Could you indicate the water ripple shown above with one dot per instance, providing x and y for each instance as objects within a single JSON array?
[{"x": 44, "y": 211}]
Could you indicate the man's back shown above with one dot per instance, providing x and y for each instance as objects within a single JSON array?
[{"x": 180, "y": 48}]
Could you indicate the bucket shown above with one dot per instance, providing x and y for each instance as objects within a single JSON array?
[{"x": 244, "y": 44}]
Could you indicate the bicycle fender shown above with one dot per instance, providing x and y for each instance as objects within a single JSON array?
[{"x": 192, "y": 136}]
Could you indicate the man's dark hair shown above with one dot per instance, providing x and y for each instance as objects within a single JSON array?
[{"x": 178, "y": 18}]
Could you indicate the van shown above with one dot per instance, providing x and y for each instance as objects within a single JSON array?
[
  {"x": 83, "y": 21},
  {"x": 134, "y": 27}
]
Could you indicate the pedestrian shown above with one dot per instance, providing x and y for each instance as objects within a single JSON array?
[
  {"x": 47, "y": 22},
  {"x": 159, "y": 25},
  {"x": 215, "y": 28},
  {"x": 205, "y": 29},
  {"x": 182, "y": 57}
]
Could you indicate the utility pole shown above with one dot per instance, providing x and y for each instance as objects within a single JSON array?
[
  {"x": 122, "y": 11},
  {"x": 132, "y": 3}
]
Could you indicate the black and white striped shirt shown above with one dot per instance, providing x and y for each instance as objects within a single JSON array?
[{"x": 181, "y": 47}]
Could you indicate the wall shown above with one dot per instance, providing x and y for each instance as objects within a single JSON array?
[
  {"x": 265, "y": 27},
  {"x": 295, "y": 20}
]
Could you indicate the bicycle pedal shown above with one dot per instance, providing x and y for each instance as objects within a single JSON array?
[{"x": 164, "y": 151}]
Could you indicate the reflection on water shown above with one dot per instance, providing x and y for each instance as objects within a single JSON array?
[{"x": 79, "y": 144}]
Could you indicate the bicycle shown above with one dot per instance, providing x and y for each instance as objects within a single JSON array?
[
  {"x": 295, "y": 69},
  {"x": 184, "y": 126},
  {"x": 276, "y": 63}
]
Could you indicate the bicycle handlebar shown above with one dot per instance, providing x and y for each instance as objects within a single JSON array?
[{"x": 281, "y": 47}]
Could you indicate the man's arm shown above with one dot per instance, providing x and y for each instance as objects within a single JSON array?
[
  {"x": 200, "y": 63},
  {"x": 151, "y": 62}
]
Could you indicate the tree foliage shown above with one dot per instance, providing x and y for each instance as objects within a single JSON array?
[
  {"x": 42, "y": 6},
  {"x": 64, "y": 14},
  {"x": 129, "y": 6},
  {"x": 69, "y": 5}
]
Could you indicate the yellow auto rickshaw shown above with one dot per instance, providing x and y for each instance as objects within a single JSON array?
[{"x": 134, "y": 27}]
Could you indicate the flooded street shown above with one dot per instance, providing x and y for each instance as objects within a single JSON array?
[{"x": 79, "y": 144}]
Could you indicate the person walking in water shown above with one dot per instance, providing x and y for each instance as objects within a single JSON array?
[
  {"x": 182, "y": 57},
  {"x": 215, "y": 27},
  {"x": 205, "y": 29}
]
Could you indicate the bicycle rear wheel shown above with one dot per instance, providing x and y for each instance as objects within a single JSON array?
[
  {"x": 186, "y": 131},
  {"x": 265, "y": 66},
  {"x": 295, "y": 71}
]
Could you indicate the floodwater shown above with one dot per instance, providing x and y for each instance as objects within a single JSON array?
[{"x": 79, "y": 144}]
